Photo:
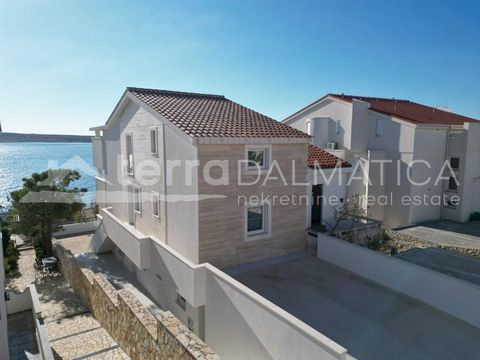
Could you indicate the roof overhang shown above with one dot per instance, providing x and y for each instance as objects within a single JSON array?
[
  {"x": 311, "y": 106},
  {"x": 250, "y": 140}
]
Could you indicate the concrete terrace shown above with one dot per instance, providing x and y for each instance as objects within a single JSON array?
[
  {"x": 371, "y": 321},
  {"x": 73, "y": 332}
]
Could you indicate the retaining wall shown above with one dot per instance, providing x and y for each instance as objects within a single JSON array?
[
  {"x": 138, "y": 332},
  {"x": 446, "y": 293}
]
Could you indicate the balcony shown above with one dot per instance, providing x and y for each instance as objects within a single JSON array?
[
  {"x": 98, "y": 153},
  {"x": 131, "y": 241}
]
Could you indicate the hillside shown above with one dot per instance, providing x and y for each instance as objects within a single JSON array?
[{"x": 17, "y": 137}]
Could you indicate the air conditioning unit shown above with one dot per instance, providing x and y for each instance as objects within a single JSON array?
[{"x": 331, "y": 145}]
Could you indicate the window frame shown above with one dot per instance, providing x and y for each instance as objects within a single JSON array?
[
  {"x": 137, "y": 199},
  {"x": 154, "y": 146},
  {"x": 266, "y": 221},
  {"x": 308, "y": 127},
  {"x": 455, "y": 189},
  {"x": 130, "y": 154},
  {"x": 378, "y": 127},
  {"x": 451, "y": 163},
  {"x": 156, "y": 200},
  {"x": 267, "y": 150}
]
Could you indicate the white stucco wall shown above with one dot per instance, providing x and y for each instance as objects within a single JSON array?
[
  {"x": 324, "y": 118},
  {"x": 429, "y": 147},
  {"x": 454, "y": 296},
  {"x": 178, "y": 223},
  {"x": 471, "y": 179},
  {"x": 334, "y": 187}
]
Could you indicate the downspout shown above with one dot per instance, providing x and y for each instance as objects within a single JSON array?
[{"x": 442, "y": 205}]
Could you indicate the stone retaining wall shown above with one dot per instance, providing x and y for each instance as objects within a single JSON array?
[
  {"x": 138, "y": 332},
  {"x": 405, "y": 242}
]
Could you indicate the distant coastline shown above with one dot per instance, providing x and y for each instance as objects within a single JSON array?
[{"x": 18, "y": 137}]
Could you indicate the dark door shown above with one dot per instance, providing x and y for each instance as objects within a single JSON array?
[{"x": 317, "y": 201}]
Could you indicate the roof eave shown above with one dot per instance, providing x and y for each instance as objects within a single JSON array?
[{"x": 308, "y": 107}]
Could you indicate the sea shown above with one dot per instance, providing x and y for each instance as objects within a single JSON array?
[{"x": 20, "y": 159}]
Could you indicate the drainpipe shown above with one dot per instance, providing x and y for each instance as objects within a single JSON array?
[{"x": 442, "y": 209}]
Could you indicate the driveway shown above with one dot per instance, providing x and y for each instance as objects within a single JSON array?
[
  {"x": 466, "y": 235},
  {"x": 371, "y": 321},
  {"x": 460, "y": 266}
]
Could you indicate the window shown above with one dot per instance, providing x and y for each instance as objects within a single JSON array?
[
  {"x": 308, "y": 126},
  {"x": 257, "y": 220},
  {"x": 180, "y": 300},
  {"x": 156, "y": 205},
  {"x": 452, "y": 184},
  {"x": 137, "y": 200},
  {"x": 455, "y": 163},
  {"x": 379, "y": 128},
  {"x": 129, "y": 143},
  {"x": 337, "y": 127},
  {"x": 258, "y": 158},
  {"x": 154, "y": 141}
]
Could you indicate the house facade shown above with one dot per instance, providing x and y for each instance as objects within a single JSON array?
[
  {"x": 192, "y": 170},
  {"x": 398, "y": 150}
]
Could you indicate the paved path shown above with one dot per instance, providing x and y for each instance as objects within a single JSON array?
[
  {"x": 72, "y": 330},
  {"x": 448, "y": 233}
]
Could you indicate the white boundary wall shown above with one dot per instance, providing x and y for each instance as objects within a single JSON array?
[
  {"x": 76, "y": 228},
  {"x": 28, "y": 300},
  {"x": 239, "y": 323},
  {"x": 454, "y": 296}
]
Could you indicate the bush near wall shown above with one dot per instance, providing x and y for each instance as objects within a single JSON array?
[
  {"x": 475, "y": 216},
  {"x": 11, "y": 257}
]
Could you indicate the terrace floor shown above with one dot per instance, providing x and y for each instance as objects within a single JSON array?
[
  {"x": 73, "y": 332},
  {"x": 371, "y": 321}
]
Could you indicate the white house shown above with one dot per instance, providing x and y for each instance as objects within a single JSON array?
[
  {"x": 405, "y": 144},
  {"x": 187, "y": 181}
]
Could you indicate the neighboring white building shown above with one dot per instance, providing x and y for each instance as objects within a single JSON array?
[{"x": 404, "y": 136}]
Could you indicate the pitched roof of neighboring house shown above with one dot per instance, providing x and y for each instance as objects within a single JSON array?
[
  {"x": 205, "y": 115},
  {"x": 410, "y": 111},
  {"x": 403, "y": 109},
  {"x": 317, "y": 157}
]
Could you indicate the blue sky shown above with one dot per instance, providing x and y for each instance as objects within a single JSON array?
[{"x": 64, "y": 64}]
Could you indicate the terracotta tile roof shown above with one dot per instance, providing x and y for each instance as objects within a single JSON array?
[
  {"x": 317, "y": 157},
  {"x": 205, "y": 115},
  {"x": 409, "y": 111}
]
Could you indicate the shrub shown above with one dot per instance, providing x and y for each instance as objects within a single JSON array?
[
  {"x": 12, "y": 255},
  {"x": 37, "y": 246},
  {"x": 475, "y": 216},
  {"x": 5, "y": 237}
]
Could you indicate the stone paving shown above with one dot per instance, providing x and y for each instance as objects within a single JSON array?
[{"x": 72, "y": 330}]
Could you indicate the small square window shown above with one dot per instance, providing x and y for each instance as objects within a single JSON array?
[
  {"x": 155, "y": 205},
  {"x": 154, "y": 141},
  {"x": 452, "y": 184},
  {"x": 137, "y": 200},
  {"x": 257, "y": 158},
  {"x": 455, "y": 163}
]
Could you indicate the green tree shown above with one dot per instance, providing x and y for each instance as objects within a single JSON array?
[{"x": 45, "y": 200}]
